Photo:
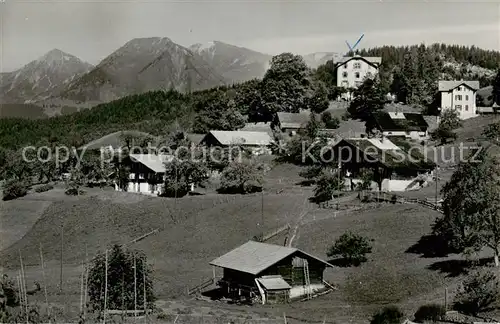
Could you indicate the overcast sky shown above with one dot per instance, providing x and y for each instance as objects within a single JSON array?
[{"x": 92, "y": 30}]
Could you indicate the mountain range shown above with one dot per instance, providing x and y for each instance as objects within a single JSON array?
[{"x": 60, "y": 79}]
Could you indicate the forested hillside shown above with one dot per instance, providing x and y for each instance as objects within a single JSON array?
[{"x": 223, "y": 108}]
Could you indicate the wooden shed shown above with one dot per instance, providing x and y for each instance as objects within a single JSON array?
[{"x": 271, "y": 272}]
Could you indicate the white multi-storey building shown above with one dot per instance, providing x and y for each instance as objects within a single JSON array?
[
  {"x": 460, "y": 96},
  {"x": 351, "y": 71}
]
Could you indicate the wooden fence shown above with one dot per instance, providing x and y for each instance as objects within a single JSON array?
[{"x": 394, "y": 198}]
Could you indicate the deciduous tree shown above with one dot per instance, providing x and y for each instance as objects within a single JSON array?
[
  {"x": 243, "y": 177},
  {"x": 471, "y": 206},
  {"x": 448, "y": 123},
  {"x": 351, "y": 247}
]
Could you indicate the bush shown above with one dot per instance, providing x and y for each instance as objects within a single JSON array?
[
  {"x": 351, "y": 247},
  {"x": 478, "y": 292},
  {"x": 43, "y": 188},
  {"x": 388, "y": 315},
  {"x": 14, "y": 189},
  {"x": 74, "y": 192},
  {"x": 394, "y": 199},
  {"x": 431, "y": 312}
]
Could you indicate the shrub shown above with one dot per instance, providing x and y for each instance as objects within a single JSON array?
[
  {"x": 43, "y": 188},
  {"x": 388, "y": 315},
  {"x": 477, "y": 293},
  {"x": 394, "y": 199},
  {"x": 351, "y": 247},
  {"x": 431, "y": 312},
  {"x": 14, "y": 189}
]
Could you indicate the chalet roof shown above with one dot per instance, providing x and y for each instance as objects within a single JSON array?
[
  {"x": 258, "y": 127},
  {"x": 370, "y": 59},
  {"x": 153, "y": 162},
  {"x": 114, "y": 140},
  {"x": 255, "y": 257},
  {"x": 241, "y": 137},
  {"x": 293, "y": 120},
  {"x": 387, "y": 153},
  {"x": 274, "y": 283},
  {"x": 195, "y": 138},
  {"x": 450, "y": 85},
  {"x": 398, "y": 121}
]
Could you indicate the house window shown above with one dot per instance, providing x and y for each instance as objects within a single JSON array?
[
  {"x": 460, "y": 88},
  {"x": 458, "y": 107},
  {"x": 458, "y": 97},
  {"x": 466, "y": 107},
  {"x": 345, "y": 66},
  {"x": 356, "y": 75},
  {"x": 357, "y": 65},
  {"x": 345, "y": 83},
  {"x": 466, "y": 97},
  {"x": 344, "y": 74},
  {"x": 358, "y": 83}
]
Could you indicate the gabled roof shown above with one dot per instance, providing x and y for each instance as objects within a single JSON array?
[
  {"x": 257, "y": 127},
  {"x": 293, "y": 120},
  {"x": 153, "y": 162},
  {"x": 255, "y": 257},
  {"x": 397, "y": 121},
  {"x": 195, "y": 138},
  {"x": 386, "y": 153},
  {"x": 115, "y": 140},
  {"x": 241, "y": 138},
  {"x": 369, "y": 59},
  {"x": 450, "y": 85}
]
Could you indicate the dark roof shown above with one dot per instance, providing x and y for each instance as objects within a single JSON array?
[
  {"x": 374, "y": 61},
  {"x": 400, "y": 121},
  {"x": 255, "y": 257}
]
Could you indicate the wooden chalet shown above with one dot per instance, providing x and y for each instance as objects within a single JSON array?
[
  {"x": 271, "y": 273},
  {"x": 290, "y": 123},
  {"x": 394, "y": 169},
  {"x": 402, "y": 124},
  {"x": 256, "y": 142},
  {"x": 147, "y": 173}
]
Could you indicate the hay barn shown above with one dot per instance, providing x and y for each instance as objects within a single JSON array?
[{"x": 269, "y": 273}]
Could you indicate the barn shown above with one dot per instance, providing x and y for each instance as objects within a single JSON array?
[{"x": 270, "y": 273}]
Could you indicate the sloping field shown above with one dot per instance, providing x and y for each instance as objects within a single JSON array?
[{"x": 391, "y": 276}]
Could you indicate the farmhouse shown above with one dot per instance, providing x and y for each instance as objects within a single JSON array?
[
  {"x": 408, "y": 125},
  {"x": 147, "y": 173},
  {"x": 393, "y": 168},
  {"x": 271, "y": 273},
  {"x": 290, "y": 123},
  {"x": 460, "y": 96},
  {"x": 351, "y": 71},
  {"x": 257, "y": 142}
]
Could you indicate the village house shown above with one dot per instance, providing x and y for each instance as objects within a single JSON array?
[
  {"x": 257, "y": 142},
  {"x": 270, "y": 273},
  {"x": 407, "y": 125},
  {"x": 460, "y": 96},
  {"x": 290, "y": 123},
  {"x": 147, "y": 173},
  {"x": 393, "y": 168},
  {"x": 352, "y": 71}
]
